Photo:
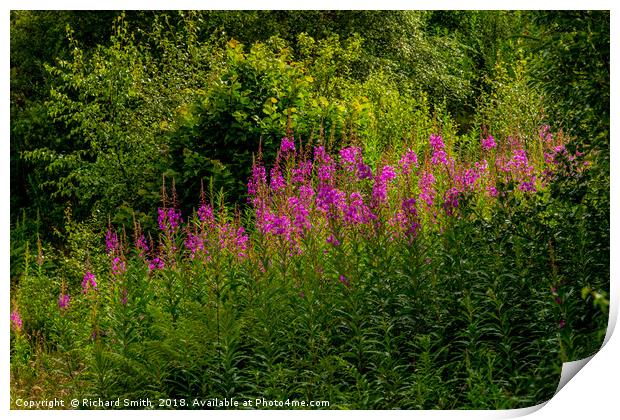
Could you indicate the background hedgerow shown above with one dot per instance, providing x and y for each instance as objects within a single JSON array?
[{"x": 413, "y": 217}]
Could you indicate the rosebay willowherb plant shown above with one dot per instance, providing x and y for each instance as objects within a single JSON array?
[{"x": 385, "y": 287}]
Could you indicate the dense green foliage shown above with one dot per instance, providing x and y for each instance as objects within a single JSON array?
[
  {"x": 478, "y": 314},
  {"x": 106, "y": 106}
]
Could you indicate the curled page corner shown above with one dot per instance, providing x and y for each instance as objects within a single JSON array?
[
  {"x": 520, "y": 412},
  {"x": 569, "y": 370}
]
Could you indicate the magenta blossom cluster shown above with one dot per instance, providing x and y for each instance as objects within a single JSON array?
[
  {"x": 205, "y": 214},
  {"x": 408, "y": 162},
  {"x": 115, "y": 252},
  {"x": 89, "y": 282},
  {"x": 156, "y": 264},
  {"x": 302, "y": 172},
  {"x": 194, "y": 243},
  {"x": 488, "y": 143},
  {"x": 148, "y": 255},
  {"x": 207, "y": 236},
  {"x": 141, "y": 245},
  {"x": 111, "y": 242},
  {"x": 16, "y": 321},
  {"x": 118, "y": 266},
  {"x": 545, "y": 134},
  {"x": 357, "y": 212},
  {"x": 519, "y": 169},
  {"x": 562, "y": 163},
  {"x": 169, "y": 219},
  {"x": 287, "y": 145},
  {"x": 379, "y": 190},
  {"x": 232, "y": 239},
  {"x": 351, "y": 160},
  {"x": 333, "y": 199},
  {"x": 451, "y": 200},
  {"x": 258, "y": 178},
  {"x": 63, "y": 301},
  {"x": 469, "y": 178},
  {"x": 425, "y": 184},
  {"x": 438, "y": 149},
  {"x": 202, "y": 236},
  {"x": 350, "y": 156},
  {"x": 406, "y": 220}
]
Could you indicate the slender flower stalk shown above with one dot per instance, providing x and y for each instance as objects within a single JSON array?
[
  {"x": 40, "y": 256},
  {"x": 124, "y": 297},
  {"x": 142, "y": 246}
]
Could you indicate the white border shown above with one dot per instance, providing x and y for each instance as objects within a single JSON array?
[{"x": 312, "y": 5}]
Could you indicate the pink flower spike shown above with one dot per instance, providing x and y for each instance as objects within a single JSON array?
[
  {"x": 488, "y": 143},
  {"x": 438, "y": 148},
  {"x": 16, "y": 321},
  {"x": 142, "y": 246},
  {"x": 89, "y": 282},
  {"x": 63, "y": 301},
  {"x": 287, "y": 145},
  {"x": 350, "y": 156},
  {"x": 111, "y": 241},
  {"x": 407, "y": 161},
  {"x": 118, "y": 266}
]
